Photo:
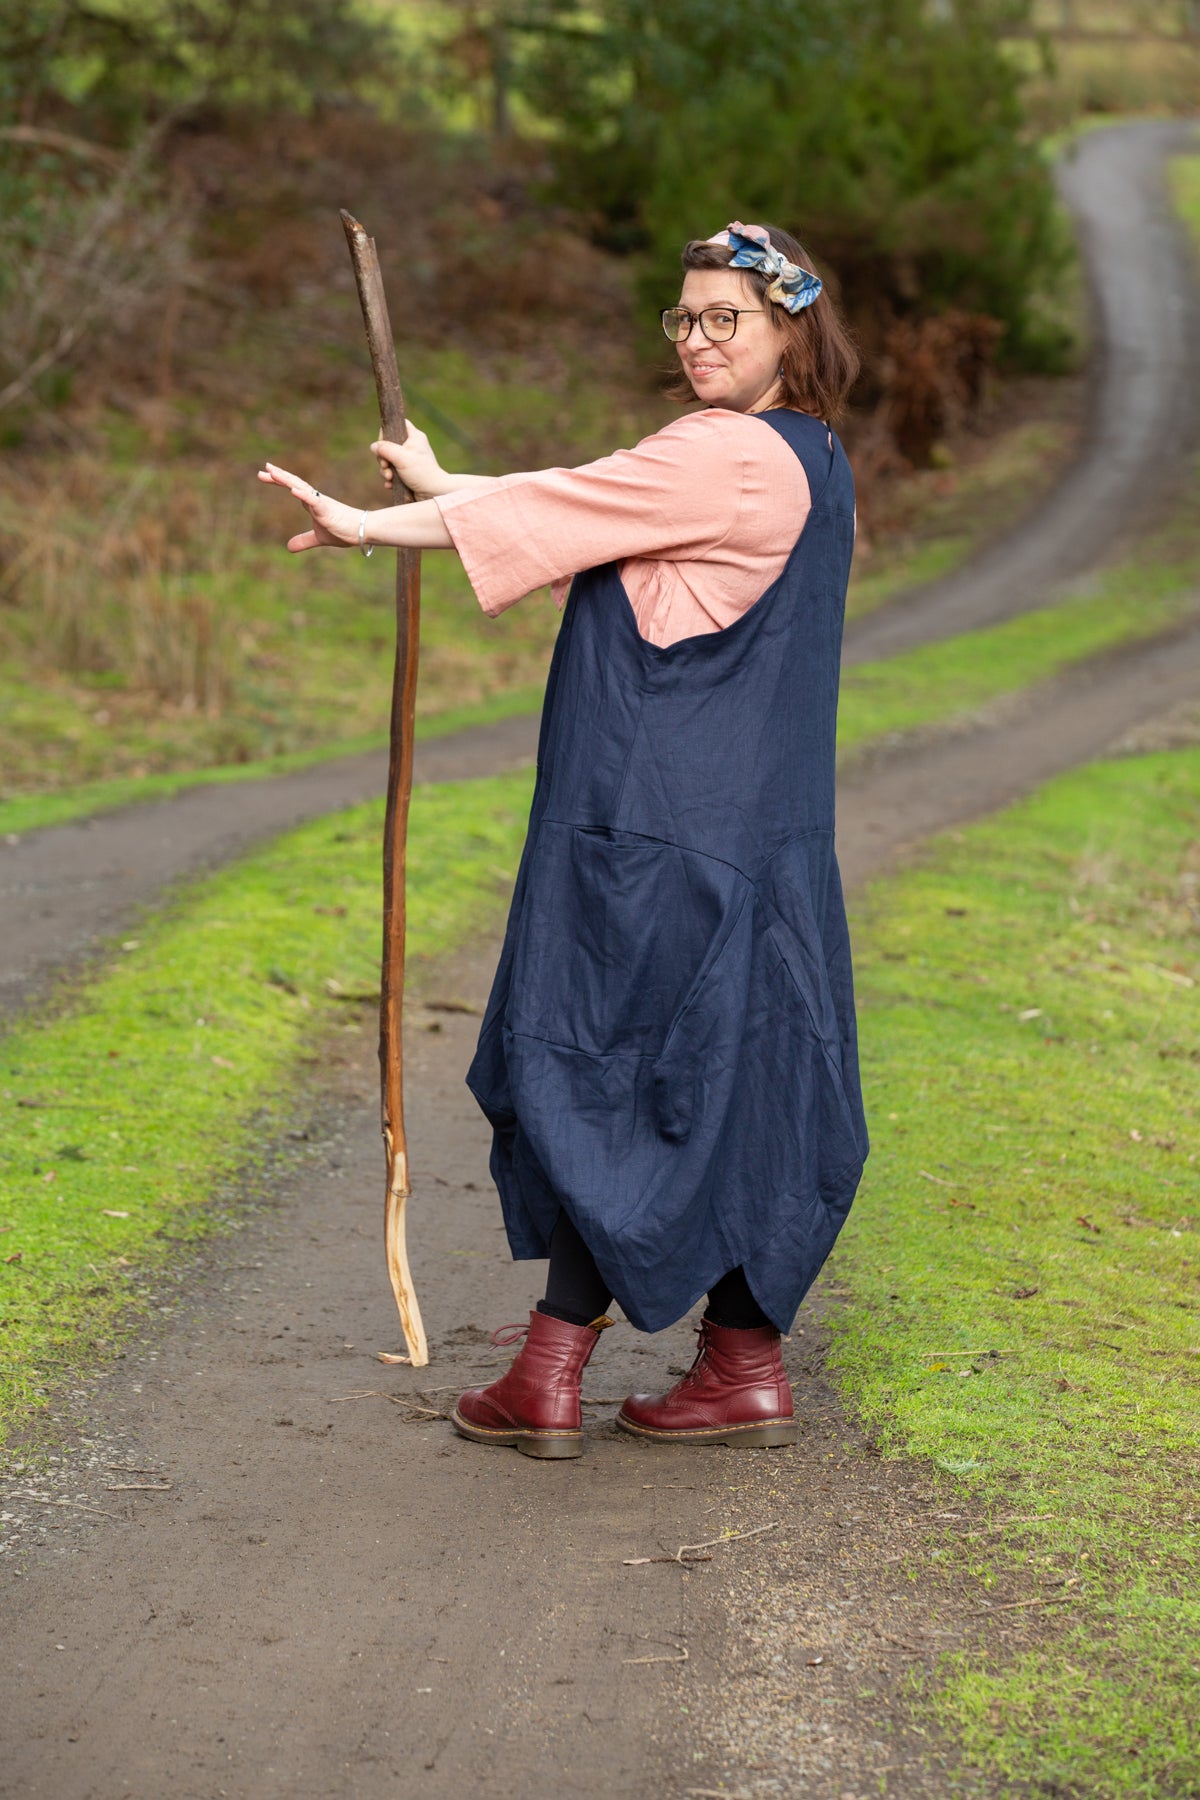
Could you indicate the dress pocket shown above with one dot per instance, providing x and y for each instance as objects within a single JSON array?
[
  {"x": 808, "y": 1050},
  {"x": 695, "y": 1072},
  {"x": 615, "y": 934}
]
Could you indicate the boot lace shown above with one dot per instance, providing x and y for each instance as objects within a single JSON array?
[
  {"x": 698, "y": 1360},
  {"x": 505, "y": 1336}
]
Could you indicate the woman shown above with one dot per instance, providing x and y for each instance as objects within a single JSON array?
[{"x": 668, "y": 1059}]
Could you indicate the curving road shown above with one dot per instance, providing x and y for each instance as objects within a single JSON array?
[{"x": 1144, "y": 420}]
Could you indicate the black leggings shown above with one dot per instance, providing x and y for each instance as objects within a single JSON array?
[{"x": 577, "y": 1292}]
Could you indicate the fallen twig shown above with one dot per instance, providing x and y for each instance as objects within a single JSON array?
[
  {"x": 1021, "y": 1519},
  {"x": 430, "y": 1412},
  {"x": 78, "y": 1505},
  {"x": 730, "y": 1537},
  {"x": 1016, "y": 1605},
  {"x": 137, "y": 1487},
  {"x": 637, "y": 1562},
  {"x": 687, "y": 1553},
  {"x": 681, "y": 1655}
]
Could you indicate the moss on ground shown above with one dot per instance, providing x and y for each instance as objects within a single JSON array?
[
  {"x": 1183, "y": 177},
  {"x": 1024, "y": 1265},
  {"x": 127, "y": 1116}
]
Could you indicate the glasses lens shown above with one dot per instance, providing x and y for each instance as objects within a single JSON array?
[
  {"x": 676, "y": 322},
  {"x": 718, "y": 323}
]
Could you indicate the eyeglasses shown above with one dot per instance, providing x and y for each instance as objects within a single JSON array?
[{"x": 718, "y": 323}]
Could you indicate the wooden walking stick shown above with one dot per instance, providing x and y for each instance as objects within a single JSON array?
[{"x": 395, "y": 830}]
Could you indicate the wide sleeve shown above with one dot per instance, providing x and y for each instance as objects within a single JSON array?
[{"x": 673, "y": 497}]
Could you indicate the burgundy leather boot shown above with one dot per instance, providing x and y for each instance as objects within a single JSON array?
[
  {"x": 734, "y": 1393},
  {"x": 535, "y": 1407}
]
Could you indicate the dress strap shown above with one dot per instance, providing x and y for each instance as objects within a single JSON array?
[{"x": 810, "y": 439}]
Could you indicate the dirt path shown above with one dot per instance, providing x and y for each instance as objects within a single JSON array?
[{"x": 335, "y": 1596}]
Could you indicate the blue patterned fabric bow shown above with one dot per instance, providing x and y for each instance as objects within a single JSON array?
[{"x": 791, "y": 286}]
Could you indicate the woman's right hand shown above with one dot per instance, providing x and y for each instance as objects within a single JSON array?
[{"x": 414, "y": 462}]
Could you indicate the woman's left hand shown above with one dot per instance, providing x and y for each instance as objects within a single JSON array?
[{"x": 334, "y": 526}]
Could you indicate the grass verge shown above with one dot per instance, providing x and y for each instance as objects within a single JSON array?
[
  {"x": 126, "y": 1116},
  {"x": 1183, "y": 179},
  {"x": 1024, "y": 1261},
  {"x": 948, "y": 681}
]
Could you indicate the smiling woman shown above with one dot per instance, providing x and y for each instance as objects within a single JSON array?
[
  {"x": 669, "y": 1057},
  {"x": 801, "y": 350}
]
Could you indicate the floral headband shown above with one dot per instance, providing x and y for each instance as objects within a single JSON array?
[{"x": 791, "y": 286}]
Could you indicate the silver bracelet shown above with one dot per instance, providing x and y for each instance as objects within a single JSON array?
[{"x": 362, "y": 537}]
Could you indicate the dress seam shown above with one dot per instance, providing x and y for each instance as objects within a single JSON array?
[{"x": 721, "y": 862}]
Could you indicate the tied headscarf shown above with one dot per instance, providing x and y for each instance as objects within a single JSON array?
[{"x": 791, "y": 286}]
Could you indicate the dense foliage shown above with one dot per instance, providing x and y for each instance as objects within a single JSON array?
[
  {"x": 887, "y": 133},
  {"x": 93, "y": 231},
  {"x": 125, "y": 61}
]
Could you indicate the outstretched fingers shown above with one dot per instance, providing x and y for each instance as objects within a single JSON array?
[
  {"x": 304, "y": 491},
  {"x": 334, "y": 526}
]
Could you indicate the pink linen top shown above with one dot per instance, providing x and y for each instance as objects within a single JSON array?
[{"x": 700, "y": 518}]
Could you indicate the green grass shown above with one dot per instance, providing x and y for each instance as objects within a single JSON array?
[
  {"x": 1024, "y": 1260},
  {"x": 1183, "y": 176},
  {"x": 950, "y": 680},
  {"x": 127, "y": 1116}
]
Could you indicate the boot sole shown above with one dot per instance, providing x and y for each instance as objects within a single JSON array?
[
  {"x": 764, "y": 1434},
  {"x": 551, "y": 1445}
]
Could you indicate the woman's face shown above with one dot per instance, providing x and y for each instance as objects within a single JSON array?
[{"x": 741, "y": 374}]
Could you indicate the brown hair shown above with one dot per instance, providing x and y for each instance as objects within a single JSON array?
[{"x": 818, "y": 361}]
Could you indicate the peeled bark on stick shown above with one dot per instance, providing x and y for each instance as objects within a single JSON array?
[{"x": 400, "y": 771}]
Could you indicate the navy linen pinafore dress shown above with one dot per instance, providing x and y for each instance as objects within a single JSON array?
[{"x": 669, "y": 1052}]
